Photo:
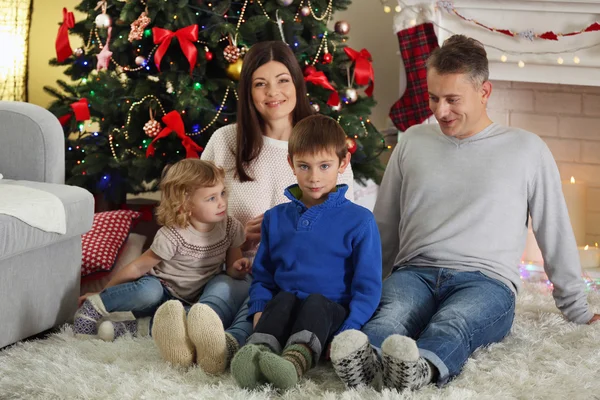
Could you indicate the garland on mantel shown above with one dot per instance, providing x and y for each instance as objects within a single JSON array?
[{"x": 448, "y": 6}]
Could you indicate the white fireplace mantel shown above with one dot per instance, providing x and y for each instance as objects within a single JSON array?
[{"x": 518, "y": 16}]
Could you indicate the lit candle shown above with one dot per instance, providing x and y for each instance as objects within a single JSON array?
[
  {"x": 589, "y": 256},
  {"x": 576, "y": 196}
]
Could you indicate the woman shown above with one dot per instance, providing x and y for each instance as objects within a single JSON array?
[{"x": 253, "y": 152}]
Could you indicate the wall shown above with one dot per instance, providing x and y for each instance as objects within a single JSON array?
[
  {"x": 567, "y": 118},
  {"x": 45, "y": 18},
  {"x": 371, "y": 28}
]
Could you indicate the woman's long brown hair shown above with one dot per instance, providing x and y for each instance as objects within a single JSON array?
[{"x": 249, "y": 122}]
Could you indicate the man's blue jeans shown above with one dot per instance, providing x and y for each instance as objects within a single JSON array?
[
  {"x": 228, "y": 297},
  {"x": 448, "y": 312}
]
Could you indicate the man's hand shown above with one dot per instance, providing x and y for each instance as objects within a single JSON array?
[
  {"x": 85, "y": 296},
  {"x": 595, "y": 318},
  {"x": 243, "y": 265},
  {"x": 256, "y": 318},
  {"x": 252, "y": 231}
]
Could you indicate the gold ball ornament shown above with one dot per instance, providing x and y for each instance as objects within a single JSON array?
[
  {"x": 342, "y": 27},
  {"x": 234, "y": 70},
  {"x": 152, "y": 128}
]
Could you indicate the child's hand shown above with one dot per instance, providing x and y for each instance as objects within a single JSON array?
[
  {"x": 85, "y": 296},
  {"x": 243, "y": 265},
  {"x": 256, "y": 318}
]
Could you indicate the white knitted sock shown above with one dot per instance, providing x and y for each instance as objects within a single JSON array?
[
  {"x": 169, "y": 332},
  {"x": 206, "y": 332}
]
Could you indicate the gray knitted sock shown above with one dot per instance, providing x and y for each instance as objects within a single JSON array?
[{"x": 403, "y": 368}]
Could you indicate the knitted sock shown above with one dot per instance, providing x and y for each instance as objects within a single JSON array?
[
  {"x": 283, "y": 371},
  {"x": 111, "y": 330},
  {"x": 403, "y": 368},
  {"x": 85, "y": 323},
  {"x": 354, "y": 359},
  {"x": 208, "y": 336},
  {"x": 169, "y": 332},
  {"x": 245, "y": 368},
  {"x": 232, "y": 346}
]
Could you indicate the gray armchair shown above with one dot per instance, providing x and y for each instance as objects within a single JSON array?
[{"x": 39, "y": 271}]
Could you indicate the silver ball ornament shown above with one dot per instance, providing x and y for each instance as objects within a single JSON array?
[
  {"x": 79, "y": 52},
  {"x": 316, "y": 107},
  {"x": 305, "y": 11},
  {"x": 103, "y": 21},
  {"x": 350, "y": 95},
  {"x": 285, "y": 3},
  {"x": 139, "y": 60}
]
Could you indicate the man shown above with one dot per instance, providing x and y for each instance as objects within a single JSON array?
[{"x": 452, "y": 213}]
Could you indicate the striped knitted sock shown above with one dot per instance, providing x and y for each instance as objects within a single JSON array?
[
  {"x": 232, "y": 346},
  {"x": 285, "y": 370}
]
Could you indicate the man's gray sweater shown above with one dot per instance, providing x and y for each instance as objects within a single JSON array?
[{"x": 463, "y": 204}]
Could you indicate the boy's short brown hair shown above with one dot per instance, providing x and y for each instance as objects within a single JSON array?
[
  {"x": 315, "y": 134},
  {"x": 179, "y": 181}
]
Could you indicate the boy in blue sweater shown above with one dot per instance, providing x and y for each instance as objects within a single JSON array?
[{"x": 317, "y": 271}]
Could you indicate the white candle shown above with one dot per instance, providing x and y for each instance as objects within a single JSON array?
[
  {"x": 589, "y": 256},
  {"x": 576, "y": 198},
  {"x": 532, "y": 251}
]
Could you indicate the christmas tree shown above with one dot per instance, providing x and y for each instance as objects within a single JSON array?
[{"x": 156, "y": 78}]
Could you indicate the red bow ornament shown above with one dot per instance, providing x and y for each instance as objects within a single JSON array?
[
  {"x": 318, "y": 78},
  {"x": 80, "y": 109},
  {"x": 186, "y": 37},
  {"x": 63, "y": 47},
  {"x": 174, "y": 123},
  {"x": 363, "y": 69}
]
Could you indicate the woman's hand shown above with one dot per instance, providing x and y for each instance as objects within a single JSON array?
[{"x": 252, "y": 231}]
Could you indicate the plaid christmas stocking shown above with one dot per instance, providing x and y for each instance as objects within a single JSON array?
[{"x": 416, "y": 43}]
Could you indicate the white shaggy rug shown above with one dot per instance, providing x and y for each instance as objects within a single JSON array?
[{"x": 543, "y": 358}]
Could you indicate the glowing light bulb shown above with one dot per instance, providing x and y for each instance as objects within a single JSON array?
[
  {"x": 576, "y": 60},
  {"x": 387, "y": 9},
  {"x": 521, "y": 64},
  {"x": 503, "y": 58},
  {"x": 560, "y": 60},
  {"x": 398, "y": 9}
]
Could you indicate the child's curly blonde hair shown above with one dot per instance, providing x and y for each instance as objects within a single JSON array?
[{"x": 178, "y": 183}]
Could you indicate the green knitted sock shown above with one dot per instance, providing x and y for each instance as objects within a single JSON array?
[
  {"x": 244, "y": 366},
  {"x": 283, "y": 371}
]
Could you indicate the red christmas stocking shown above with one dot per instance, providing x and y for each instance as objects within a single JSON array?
[{"x": 416, "y": 43}]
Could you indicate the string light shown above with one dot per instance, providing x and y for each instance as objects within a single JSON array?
[
  {"x": 521, "y": 64},
  {"x": 560, "y": 60},
  {"x": 503, "y": 58}
]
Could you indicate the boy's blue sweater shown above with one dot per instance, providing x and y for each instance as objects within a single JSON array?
[{"x": 333, "y": 249}]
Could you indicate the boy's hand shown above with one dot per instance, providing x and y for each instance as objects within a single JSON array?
[
  {"x": 85, "y": 296},
  {"x": 243, "y": 265},
  {"x": 256, "y": 318}
]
